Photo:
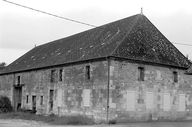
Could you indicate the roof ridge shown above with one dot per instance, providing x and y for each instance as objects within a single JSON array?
[
  {"x": 84, "y": 31},
  {"x": 138, "y": 16}
]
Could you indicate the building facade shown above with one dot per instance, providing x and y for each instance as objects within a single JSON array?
[{"x": 124, "y": 71}]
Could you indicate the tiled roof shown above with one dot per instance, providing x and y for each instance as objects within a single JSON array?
[
  {"x": 134, "y": 38},
  {"x": 189, "y": 71}
]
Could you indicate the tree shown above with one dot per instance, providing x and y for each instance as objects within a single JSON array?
[{"x": 2, "y": 64}]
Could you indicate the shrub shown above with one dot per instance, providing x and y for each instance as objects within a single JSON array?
[
  {"x": 112, "y": 121},
  {"x": 5, "y": 104},
  {"x": 71, "y": 120}
]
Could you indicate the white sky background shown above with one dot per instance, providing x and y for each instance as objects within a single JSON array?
[{"x": 21, "y": 29}]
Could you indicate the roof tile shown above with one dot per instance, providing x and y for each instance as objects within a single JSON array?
[{"x": 134, "y": 37}]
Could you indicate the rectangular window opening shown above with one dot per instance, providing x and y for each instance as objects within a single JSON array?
[
  {"x": 149, "y": 100},
  {"x": 41, "y": 101},
  {"x": 141, "y": 73},
  {"x": 27, "y": 99},
  {"x": 60, "y": 74},
  {"x": 130, "y": 100},
  {"x": 140, "y": 99},
  {"x": 52, "y": 75},
  {"x": 175, "y": 76},
  {"x": 86, "y": 97},
  {"x": 18, "y": 80},
  {"x": 88, "y": 72}
]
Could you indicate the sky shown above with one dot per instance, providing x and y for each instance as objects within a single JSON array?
[{"x": 21, "y": 29}]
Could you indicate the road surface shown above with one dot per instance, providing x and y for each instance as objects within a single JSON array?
[{"x": 27, "y": 123}]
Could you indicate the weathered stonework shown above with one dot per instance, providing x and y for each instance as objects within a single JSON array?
[
  {"x": 157, "y": 97},
  {"x": 70, "y": 94}
]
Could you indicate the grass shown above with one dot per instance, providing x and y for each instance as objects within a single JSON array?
[{"x": 52, "y": 119}]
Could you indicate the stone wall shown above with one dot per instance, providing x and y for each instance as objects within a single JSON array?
[
  {"x": 157, "y": 97},
  {"x": 80, "y": 95},
  {"x": 75, "y": 94}
]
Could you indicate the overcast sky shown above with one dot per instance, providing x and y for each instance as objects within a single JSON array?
[{"x": 21, "y": 29}]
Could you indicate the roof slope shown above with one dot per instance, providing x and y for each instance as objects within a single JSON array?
[
  {"x": 189, "y": 71},
  {"x": 134, "y": 38},
  {"x": 145, "y": 42}
]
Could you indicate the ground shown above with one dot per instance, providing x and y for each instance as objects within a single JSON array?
[
  {"x": 27, "y": 123},
  {"x": 26, "y": 119}
]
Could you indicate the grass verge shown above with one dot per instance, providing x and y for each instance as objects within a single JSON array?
[{"x": 52, "y": 119}]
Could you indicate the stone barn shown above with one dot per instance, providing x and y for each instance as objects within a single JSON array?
[{"x": 125, "y": 70}]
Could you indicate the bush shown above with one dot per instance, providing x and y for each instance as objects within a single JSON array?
[
  {"x": 112, "y": 121},
  {"x": 5, "y": 104},
  {"x": 70, "y": 120}
]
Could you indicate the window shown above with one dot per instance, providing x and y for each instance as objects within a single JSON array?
[
  {"x": 27, "y": 99},
  {"x": 18, "y": 80},
  {"x": 141, "y": 73},
  {"x": 174, "y": 100},
  {"x": 175, "y": 76},
  {"x": 130, "y": 100},
  {"x": 88, "y": 71},
  {"x": 60, "y": 98},
  {"x": 86, "y": 97},
  {"x": 41, "y": 100},
  {"x": 60, "y": 74},
  {"x": 140, "y": 99},
  {"x": 52, "y": 75},
  {"x": 166, "y": 101},
  {"x": 149, "y": 100},
  {"x": 181, "y": 102}
]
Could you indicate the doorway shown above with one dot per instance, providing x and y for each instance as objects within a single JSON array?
[
  {"x": 17, "y": 96},
  {"x": 34, "y": 103},
  {"x": 51, "y": 93}
]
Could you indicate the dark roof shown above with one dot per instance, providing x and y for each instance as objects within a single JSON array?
[
  {"x": 134, "y": 38},
  {"x": 189, "y": 71}
]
